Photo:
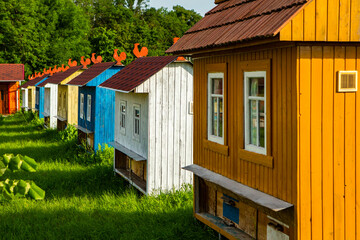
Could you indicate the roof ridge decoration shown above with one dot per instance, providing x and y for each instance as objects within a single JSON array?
[
  {"x": 96, "y": 60},
  {"x": 85, "y": 63},
  {"x": 118, "y": 58},
  {"x": 72, "y": 64},
  {"x": 175, "y": 39},
  {"x": 249, "y": 17},
  {"x": 143, "y": 52}
]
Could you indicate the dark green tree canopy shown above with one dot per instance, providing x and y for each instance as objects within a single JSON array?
[{"x": 44, "y": 33}]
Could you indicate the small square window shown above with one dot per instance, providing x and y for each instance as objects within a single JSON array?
[
  {"x": 88, "y": 111},
  {"x": 82, "y": 106}
]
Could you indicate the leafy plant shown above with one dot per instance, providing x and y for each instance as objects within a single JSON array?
[
  {"x": 10, "y": 189},
  {"x": 69, "y": 134}
]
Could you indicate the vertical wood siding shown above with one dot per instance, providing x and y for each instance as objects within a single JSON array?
[
  {"x": 279, "y": 181},
  {"x": 25, "y": 102},
  {"x": 170, "y": 126},
  {"x": 325, "y": 20},
  {"x": 328, "y": 145}
]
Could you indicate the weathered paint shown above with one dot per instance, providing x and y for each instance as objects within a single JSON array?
[
  {"x": 102, "y": 108},
  {"x": 166, "y": 140},
  {"x": 50, "y": 103},
  {"x": 38, "y": 94},
  {"x": 25, "y": 95}
]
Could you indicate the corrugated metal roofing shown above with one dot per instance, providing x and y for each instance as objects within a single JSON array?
[
  {"x": 234, "y": 21},
  {"x": 60, "y": 76},
  {"x": 11, "y": 72},
  {"x": 33, "y": 82},
  {"x": 90, "y": 73},
  {"x": 137, "y": 72}
]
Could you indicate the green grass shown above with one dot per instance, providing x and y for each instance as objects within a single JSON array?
[{"x": 85, "y": 201}]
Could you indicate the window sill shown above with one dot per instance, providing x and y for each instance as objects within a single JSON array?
[
  {"x": 216, "y": 147},
  {"x": 264, "y": 160}
]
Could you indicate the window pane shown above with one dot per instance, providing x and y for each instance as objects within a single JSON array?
[
  {"x": 253, "y": 123},
  {"x": 217, "y": 85},
  {"x": 256, "y": 87},
  {"x": 262, "y": 123},
  {"x": 214, "y": 116},
  {"x": 123, "y": 108},
  {"x": 137, "y": 113},
  {"x": 220, "y": 117}
]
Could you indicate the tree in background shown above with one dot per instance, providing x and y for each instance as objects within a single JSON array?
[{"x": 44, "y": 33}]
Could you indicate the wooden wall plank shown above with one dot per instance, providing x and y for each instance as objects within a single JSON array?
[
  {"x": 298, "y": 27},
  {"x": 163, "y": 125},
  {"x": 357, "y": 150},
  {"x": 170, "y": 127},
  {"x": 309, "y": 21},
  {"x": 333, "y": 20},
  {"x": 344, "y": 20},
  {"x": 327, "y": 142},
  {"x": 355, "y": 21},
  {"x": 316, "y": 142},
  {"x": 339, "y": 218},
  {"x": 321, "y": 20},
  {"x": 304, "y": 143},
  {"x": 350, "y": 155}
]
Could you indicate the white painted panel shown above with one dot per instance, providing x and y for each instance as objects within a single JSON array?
[
  {"x": 183, "y": 123},
  {"x": 53, "y": 104},
  {"x": 47, "y": 100},
  {"x": 189, "y": 123},
  {"x": 171, "y": 109},
  {"x": 139, "y": 146},
  {"x": 152, "y": 133},
  {"x": 158, "y": 135},
  {"x": 163, "y": 125},
  {"x": 177, "y": 124}
]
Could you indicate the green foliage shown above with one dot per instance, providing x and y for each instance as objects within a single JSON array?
[
  {"x": 10, "y": 189},
  {"x": 44, "y": 33},
  {"x": 36, "y": 121},
  {"x": 70, "y": 134}
]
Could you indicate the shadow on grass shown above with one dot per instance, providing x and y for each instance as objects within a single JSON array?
[
  {"x": 25, "y": 136},
  {"x": 101, "y": 224}
]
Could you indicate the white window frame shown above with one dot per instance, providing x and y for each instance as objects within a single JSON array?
[
  {"x": 135, "y": 135},
  {"x": 81, "y": 105},
  {"x": 123, "y": 116},
  {"x": 247, "y": 98},
  {"x": 88, "y": 109},
  {"x": 212, "y": 137}
]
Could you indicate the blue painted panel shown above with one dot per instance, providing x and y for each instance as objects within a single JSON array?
[
  {"x": 41, "y": 101},
  {"x": 83, "y": 122},
  {"x": 41, "y": 81},
  {"x": 108, "y": 73},
  {"x": 104, "y": 117},
  {"x": 231, "y": 212},
  {"x": 37, "y": 90}
]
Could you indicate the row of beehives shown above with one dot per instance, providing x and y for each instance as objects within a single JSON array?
[{"x": 143, "y": 110}]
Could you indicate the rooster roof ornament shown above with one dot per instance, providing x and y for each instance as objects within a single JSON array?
[
  {"x": 118, "y": 58},
  {"x": 142, "y": 53},
  {"x": 85, "y": 63},
  {"x": 98, "y": 59}
]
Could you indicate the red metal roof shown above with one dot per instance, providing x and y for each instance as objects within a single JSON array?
[
  {"x": 137, "y": 72},
  {"x": 33, "y": 82},
  {"x": 90, "y": 73},
  {"x": 234, "y": 21},
  {"x": 60, "y": 76},
  {"x": 11, "y": 72}
]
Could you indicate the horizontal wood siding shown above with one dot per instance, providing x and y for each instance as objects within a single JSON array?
[
  {"x": 170, "y": 126},
  {"x": 325, "y": 20},
  {"x": 328, "y": 145},
  {"x": 279, "y": 181}
]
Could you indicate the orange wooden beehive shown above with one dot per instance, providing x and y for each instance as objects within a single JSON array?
[
  {"x": 276, "y": 139},
  {"x": 10, "y": 77}
]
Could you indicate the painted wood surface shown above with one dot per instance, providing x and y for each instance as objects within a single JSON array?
[
  {"x": 126, "y": 138},
  {"x": 39, "y": 105},
  {"x": 31, "y": 97},
  {"x": 14, "y": 97},
  {"x": 50, "y": 103},
  {"x": 328, "y": 138},
  {"x": 279, "y": 180},
  {"x": 325, "y": 20},
  {"x": 170, "y": 127},
  {"x": 25, "y": 95},
  {"x": 102, "y": 108},
  {"x": 68, "y": 103}
]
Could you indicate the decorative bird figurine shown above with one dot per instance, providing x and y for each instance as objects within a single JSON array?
[
  {"x": 29, "y": 77},
  {"x": 98, "y": 59},
  {"x": 64, "y": 68},
  {"x": 72, "y": 64},
  {"x": 85, "y": 63},
  {"x": 50, "y": 71},
  {"x": 179, "y": 58},
  {"x": 142, "y": 53},
  {"x": 55, "y": 69},
  {"x": 118, "y": 58}
]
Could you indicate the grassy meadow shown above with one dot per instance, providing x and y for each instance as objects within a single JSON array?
[{"x": 84, "y": 200}]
